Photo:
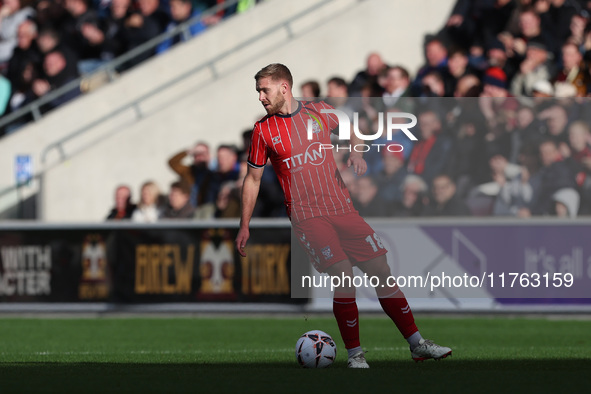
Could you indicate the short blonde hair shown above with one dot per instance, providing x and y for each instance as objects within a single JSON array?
[{"x": 275, "y": 71}]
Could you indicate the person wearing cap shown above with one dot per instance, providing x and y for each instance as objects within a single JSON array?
[
  {"x": 497, "y": 56},
  {"x": 502, "y": 108},
  {"x": 566, "y": 203},
  {"x": 495, "y": 83},
  {"x": 535, "y": 67},
  {"x": 542, "y": 89}
]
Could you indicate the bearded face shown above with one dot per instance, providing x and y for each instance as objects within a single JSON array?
[{"x": 270, "y": 95}]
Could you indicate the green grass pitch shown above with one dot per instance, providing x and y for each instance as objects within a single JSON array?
[{"x": 244, "y": 355}]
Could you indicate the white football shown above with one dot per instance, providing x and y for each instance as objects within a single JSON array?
[{"x": 315, "y": 349}]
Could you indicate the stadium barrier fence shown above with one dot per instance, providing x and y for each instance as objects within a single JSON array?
[{"x": 193, "y": 266}]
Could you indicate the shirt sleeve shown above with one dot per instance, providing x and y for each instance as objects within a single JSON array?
[{"x": 258, "y": 154}]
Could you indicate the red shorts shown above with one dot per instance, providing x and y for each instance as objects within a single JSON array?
[{"x": 330, "y": 239}]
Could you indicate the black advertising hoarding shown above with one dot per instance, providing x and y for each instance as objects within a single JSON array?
[{"x": 128, "y": 263}]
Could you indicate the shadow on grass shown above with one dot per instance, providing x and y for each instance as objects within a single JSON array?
[{"x": 457, "y": 376}]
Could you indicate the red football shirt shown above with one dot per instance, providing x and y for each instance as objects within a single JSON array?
[{"x": 308, "y": 174}]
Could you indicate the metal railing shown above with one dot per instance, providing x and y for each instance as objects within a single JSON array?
[
  {"x": 110, "y": 69},
  {"x": 209, "y": 64}
]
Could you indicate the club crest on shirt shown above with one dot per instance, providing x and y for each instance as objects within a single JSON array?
[
  {"x": 314, "y": 123},
  {"x": 315, "y": 128},
  {"x": 327, "y": 253},
  {"x": 276, "y": 140}
]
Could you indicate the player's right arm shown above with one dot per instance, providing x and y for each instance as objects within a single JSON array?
[{"x": 250, "y": 192}]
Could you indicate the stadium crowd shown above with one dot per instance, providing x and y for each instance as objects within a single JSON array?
[
  {"x": 45, "y": 44},
  {"x": 503, "y": 125}
]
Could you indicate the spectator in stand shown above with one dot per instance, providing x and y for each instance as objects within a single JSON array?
[
  {"x": 530, "y": 29},
  {"x": 115, "y": 43},
  {"x": 310, "y": 89},
  {"x": 12, "y": 14},
  {"x": 468, "y": 161},
  {"x": 396, "y": 85},
  {"x": 195, "y": 174},
  {"x": 431, "y": 153},
  {"x": 497, "y": 57},
  {"x": 436, "y": 55},
  {"x": 535, "y": 67},
  {"x": 26, "y": 52},
  {"x": 444, "y": 201},
  {"x": 227, "y": 204},
  {"x": 497, "y": 105},
  {"x": 21, "y": 95},
  {"x": 468, "y": 86},
  {"x": 50, "y": 14},
  {"x": 23, "y": 68},
  {"x": 460, "y": 26},
  {"x": 246, "y": 138},
  {"x": 579, "y": 159},
  {"x": 368, "y": 77},
  {"x": 270, "y": 202},
  {"x": 511, "y": 187},
  {"x": 84, "y": 34},
  {"x": 433, "y": 85},
  {"x": 577, "y": 26},
  {"x": 228, "y": 169},
  {"x": 399, "y": 141},
  {"x": 457, "y": 66},
  {"x": 368, "y": 201},
  {"x": 566, "y": 203},
  {"x": 148, "y": 210},
  {"x": 414, "y": 190},
  {"x": 389, "y": 180},
  {"x": 56, "y": 75},
  {"x": 529, "y": 132},
  {"x": 555, "y": 17},
  {"x": 179, "y": 204},
  {"x": 337, "y": 95},
  {"x": 123, "y": 206},
  {"x": 554, "y": 175},
  {"x": 5, "y": 92},
  {"x": 142, "y": 26},
  {"x": 555, "y": 119},
  {"x": 573, "y": 69},
  {"x": 181, "y": 11},
  {"x": 477, "y": 20},
  {"x": 48, "y": 40}
]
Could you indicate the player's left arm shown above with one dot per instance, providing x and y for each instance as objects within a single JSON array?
[{"x": 356, "y": 158}]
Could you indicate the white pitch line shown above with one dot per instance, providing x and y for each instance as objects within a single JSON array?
[{"x": 179, "y": 352}]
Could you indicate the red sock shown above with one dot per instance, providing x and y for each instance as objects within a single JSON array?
[
  {"x": 347, "y": 315},
  {"x": 396, "y": 307}
]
